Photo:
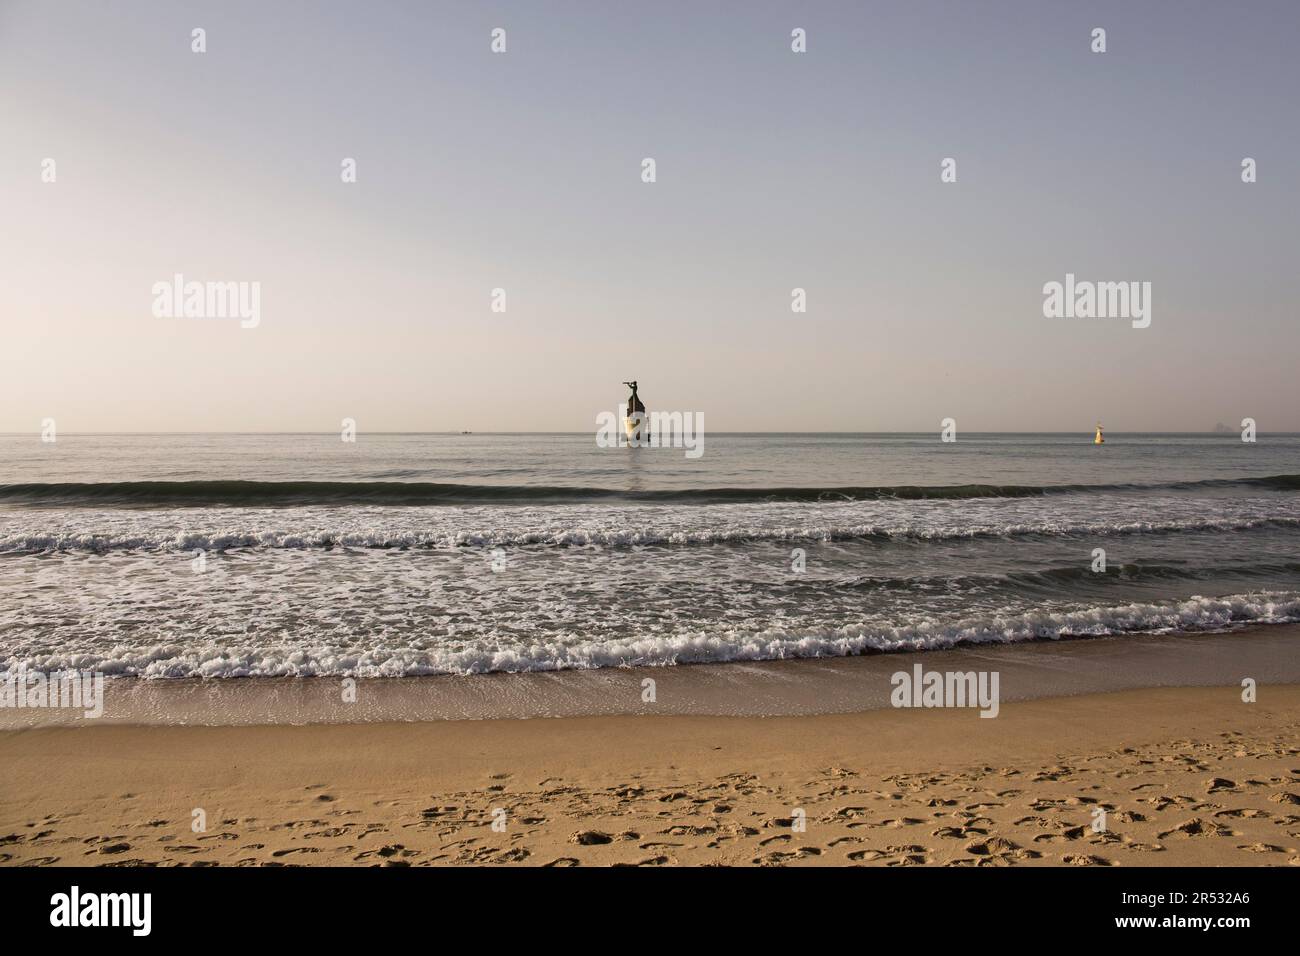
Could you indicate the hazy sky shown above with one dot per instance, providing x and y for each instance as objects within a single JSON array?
[{"x": 522, "y": 171}]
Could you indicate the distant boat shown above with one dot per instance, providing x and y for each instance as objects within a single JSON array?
[
  {"x": 466, "y": 433},
  {"x": 1099, "y": 439},
  {"x": 635, "y": 419}
]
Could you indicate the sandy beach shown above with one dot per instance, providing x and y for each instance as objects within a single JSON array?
[{"x": 1184, "y": 776}]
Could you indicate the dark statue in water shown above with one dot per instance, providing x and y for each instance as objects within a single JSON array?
[{"x": 633, "y": 404}]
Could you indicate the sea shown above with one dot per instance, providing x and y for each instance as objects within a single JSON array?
[{"x": 174, "y": 556}]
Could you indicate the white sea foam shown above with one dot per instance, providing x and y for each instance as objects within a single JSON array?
[
  {"x": 288, "y": 654},
  {"x": 624, "y": 526},
  {"x": 398, "y": 590}
]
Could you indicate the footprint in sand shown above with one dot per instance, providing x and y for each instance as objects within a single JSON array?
[
  {"x": 112, "y": 848},
  {"x": 682, "y": 830},
  {"x": 958, "y": 833},
  {"x": 1248, "y": 813},
  {"x": 331, "y": 832},
  {"x": 1163, "y": 803},
  {"x": 840, "y": 772},
  {"x": 780, "y": 857},
  {"x": 846, "y": 813},
  {"x": 430, "y": 813},
  {"x": 298, "y": 824},
  {"x": 1262, "y": 848},
  {"x": 1130, "y": 844},
  {"x": 1197, "y": 827},
  {"x": 866, "y": 856},
  {"x": 1001, "y": 850},
  {"x": 649, "y": 861},
  {"x": 1037, "y": 821},
  {"x": 1051, "y": 774}
]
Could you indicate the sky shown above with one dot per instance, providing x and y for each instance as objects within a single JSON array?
[{"x": 522, "y": 171}]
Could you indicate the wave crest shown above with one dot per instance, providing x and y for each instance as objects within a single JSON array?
[
  {"x": 291, "y": 493},
  {"x": 229, "y": 660}
]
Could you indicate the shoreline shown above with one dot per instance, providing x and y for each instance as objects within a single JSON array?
[
  {"x": 1183, "y": 776},
  {"x": 1028, "y": 670}
]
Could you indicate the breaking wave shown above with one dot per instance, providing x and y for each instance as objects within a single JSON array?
[
  {"x": 290, "y": 493},
  {"x": 565, "y": 652},
  {"x": 223, "y": 540}
]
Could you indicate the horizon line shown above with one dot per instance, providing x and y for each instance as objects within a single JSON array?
[{"x": 458, "y": 434}]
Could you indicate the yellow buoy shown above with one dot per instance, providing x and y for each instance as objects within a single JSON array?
[{"x": 1099, "y": 440}]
